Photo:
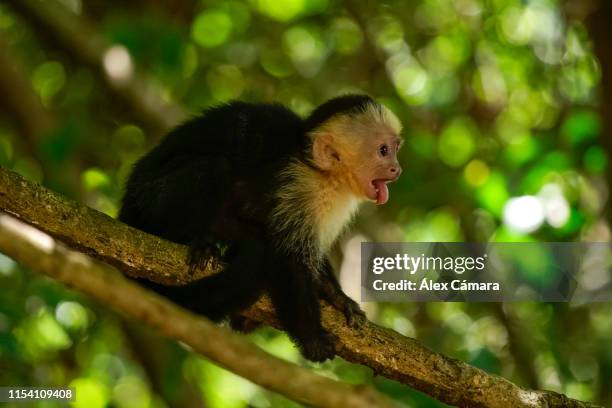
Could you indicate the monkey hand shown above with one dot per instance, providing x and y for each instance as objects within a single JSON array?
[
  {"x": 355, "y": 317},
  {"x": 320, "y": 347},
  {"x": 203, "y": 254}
]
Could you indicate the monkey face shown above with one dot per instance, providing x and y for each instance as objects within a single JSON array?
[
  {"x": 359, "y": 151},
  {"x": 380, "y": 167}
]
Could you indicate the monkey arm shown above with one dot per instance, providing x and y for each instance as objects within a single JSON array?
[
  {"x": 293, "y": 291},
  {"x": 330, "y": 290}
]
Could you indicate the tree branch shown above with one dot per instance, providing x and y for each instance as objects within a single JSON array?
[
  {"x": 40, "y": 252},
  {"x": 384, "y": 351}
]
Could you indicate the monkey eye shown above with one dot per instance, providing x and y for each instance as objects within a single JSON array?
[{"x": 383, "y": 150}]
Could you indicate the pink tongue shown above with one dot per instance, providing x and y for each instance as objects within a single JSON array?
[{"x": 383, "y": 191}]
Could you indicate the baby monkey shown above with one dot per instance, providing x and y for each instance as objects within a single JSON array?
[{"x": 274, "y": 191}]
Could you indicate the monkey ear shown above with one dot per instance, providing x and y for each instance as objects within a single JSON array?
[{"x": 323, "y": 152}]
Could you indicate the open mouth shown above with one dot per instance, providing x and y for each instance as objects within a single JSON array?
[{"x": 379, "y": 191}]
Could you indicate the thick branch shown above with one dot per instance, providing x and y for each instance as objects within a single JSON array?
[
  {"x": 385, "y": 351},
  {"x": 40, "y": 252}
]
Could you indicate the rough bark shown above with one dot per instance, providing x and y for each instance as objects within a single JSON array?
[{"x": 383, "y": 350}]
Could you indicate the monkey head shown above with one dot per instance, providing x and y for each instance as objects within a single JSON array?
[{"x": 355, "y": 142}]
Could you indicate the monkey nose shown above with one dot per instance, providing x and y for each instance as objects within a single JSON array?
[{"x": 395, "y": 171}]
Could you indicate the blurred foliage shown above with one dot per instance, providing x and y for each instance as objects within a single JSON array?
[{"x": 499, "y": 99}]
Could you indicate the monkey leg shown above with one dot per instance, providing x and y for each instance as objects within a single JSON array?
[
  {"x": 225, "y": 293},
  {"x": 294, "y": 295},
  {"x": 332, "y": 292}
]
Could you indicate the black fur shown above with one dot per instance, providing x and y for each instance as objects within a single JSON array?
[
  {"x": 347, "y": 104},
  {"x": 211, "y": 182}
]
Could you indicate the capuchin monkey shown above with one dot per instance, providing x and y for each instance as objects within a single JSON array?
[{"x": 268, "y": 193}]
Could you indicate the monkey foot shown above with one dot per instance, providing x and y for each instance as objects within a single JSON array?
[
  {"x": 319, "y": 348},
  {"x": 243, "y": 324},
  {"x": 202, "y": 256}
]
